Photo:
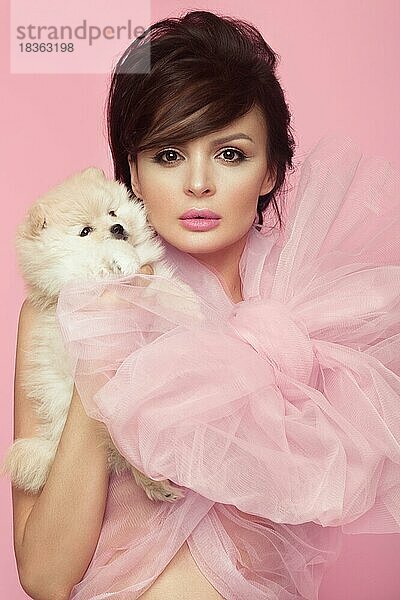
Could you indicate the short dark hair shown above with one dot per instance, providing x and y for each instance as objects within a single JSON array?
[{"x": 206, "y": 70}]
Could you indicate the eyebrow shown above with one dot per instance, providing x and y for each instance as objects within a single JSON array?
[
  {"x": 222, "y": 140},
  {"x": 233, "y": 136}
]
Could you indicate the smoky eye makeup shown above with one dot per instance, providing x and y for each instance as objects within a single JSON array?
[{"x": 236, "y": 156}]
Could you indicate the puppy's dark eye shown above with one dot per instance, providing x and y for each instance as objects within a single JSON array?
[
  {"x": 112, "y": 213},
  {"x": 86, "y": 231}
]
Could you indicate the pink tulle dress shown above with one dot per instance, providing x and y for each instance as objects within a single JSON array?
[{"x": 278, "y": 415}]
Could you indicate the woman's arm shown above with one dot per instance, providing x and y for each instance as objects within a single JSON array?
[{"x": 56, "y": 531}]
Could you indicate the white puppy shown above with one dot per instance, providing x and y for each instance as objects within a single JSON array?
[{"x": 86, "y": 227}]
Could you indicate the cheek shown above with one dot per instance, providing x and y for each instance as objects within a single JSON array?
[
  {"x": 247, "y": 181},
  {"x": 151, "y": 191},
  {"x": 154, "y": 212},
  {"x": 160, "y": 201},
  {"x": 246, "y": 196}
]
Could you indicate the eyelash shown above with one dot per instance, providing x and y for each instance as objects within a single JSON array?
[{"x": 158, "y": 157}]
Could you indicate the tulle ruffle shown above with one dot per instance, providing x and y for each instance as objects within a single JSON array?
[{"x": 279, "y": 414}]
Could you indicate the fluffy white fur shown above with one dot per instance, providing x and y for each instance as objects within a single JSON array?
[{"x": 52, "y": 252}]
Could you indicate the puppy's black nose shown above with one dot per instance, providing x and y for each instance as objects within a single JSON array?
[{"x": 118, "y": 231}]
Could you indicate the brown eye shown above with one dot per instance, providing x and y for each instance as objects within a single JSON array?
[
  {"x": 112, "y": 213},
  {"x": 85, "y": 231}
]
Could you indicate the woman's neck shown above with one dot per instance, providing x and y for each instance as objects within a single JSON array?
[{"x": 225, "y": 264}]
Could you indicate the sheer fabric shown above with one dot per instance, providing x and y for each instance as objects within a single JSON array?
[{"x": 279, "y": 415}]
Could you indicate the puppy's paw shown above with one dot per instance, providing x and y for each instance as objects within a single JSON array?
[
  {"x": 163, "y": 490},
  {"x": 157, "y": 490},
  {"x": 120, "y": 265}
]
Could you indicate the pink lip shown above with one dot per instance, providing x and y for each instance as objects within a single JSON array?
[
  {"x": 204, "y": 213},
  {"x": 200, "y": 224}
]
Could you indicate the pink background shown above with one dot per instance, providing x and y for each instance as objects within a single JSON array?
[{"x": 339, "y": 68}]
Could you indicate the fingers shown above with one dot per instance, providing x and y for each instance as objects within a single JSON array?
[
  {"x": 110, "y": 298},
  {"x": 147, "y": 270}
]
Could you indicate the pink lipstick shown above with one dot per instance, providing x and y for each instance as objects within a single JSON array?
[{"x": 199, "y": 219}]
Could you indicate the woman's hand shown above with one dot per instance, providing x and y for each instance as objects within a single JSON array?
[{"x": 147, "y": 270}]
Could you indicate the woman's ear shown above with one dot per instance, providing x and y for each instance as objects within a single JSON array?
[
  {"x": 35, "y": 222},
  {"x": 269, "y": 182},
  {"x": 134, "y": 177}
]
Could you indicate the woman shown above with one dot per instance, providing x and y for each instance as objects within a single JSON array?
[{"x": 241, "y": 399}]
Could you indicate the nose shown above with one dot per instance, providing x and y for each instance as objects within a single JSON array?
[
  {"x": 117, "y": 231},
  {"x": 198, "y": 182}
]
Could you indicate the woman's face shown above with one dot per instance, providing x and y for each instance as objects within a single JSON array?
[{"x": 225, "y": 176}]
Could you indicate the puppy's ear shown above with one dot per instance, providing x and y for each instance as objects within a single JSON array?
[
  {"x": 94, "y": 172},
  {"x": 35, "y": 222}
]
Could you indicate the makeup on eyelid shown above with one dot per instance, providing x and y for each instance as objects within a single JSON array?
[{"x": 241, "y": 156}]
